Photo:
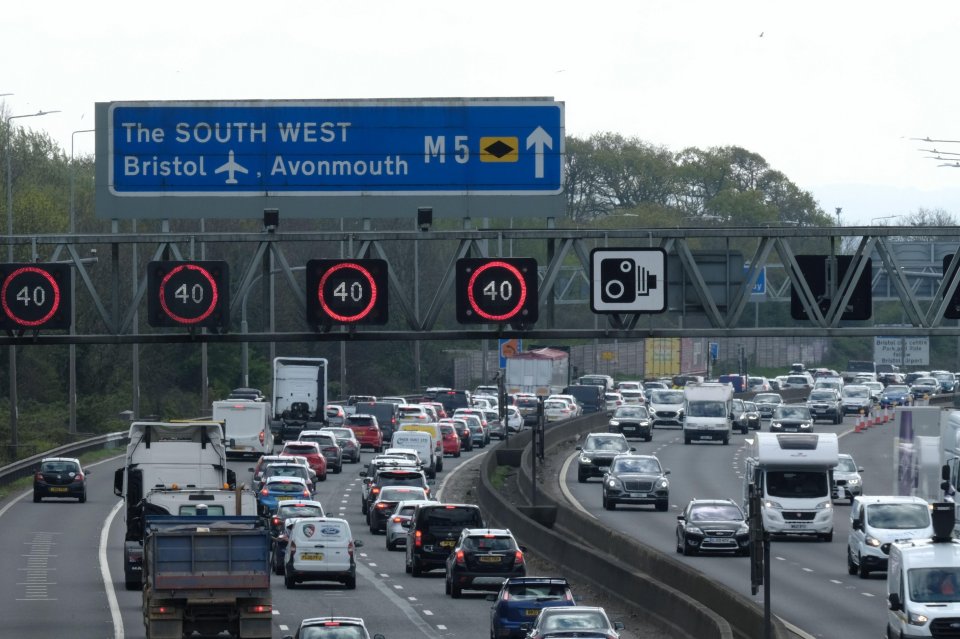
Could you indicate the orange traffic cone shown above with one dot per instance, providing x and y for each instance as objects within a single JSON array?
[{"x": 859, "y": 426}]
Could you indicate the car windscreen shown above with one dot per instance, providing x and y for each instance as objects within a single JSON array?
[
  {"x": 767, "y": 398},
  {"x": 666, "y": 397},
  {"x": 284, "y": 487},
  {"x": 649, "y": 466},
  {"x": 489, "y": 542},
  {"x": 537, "y": 592},
  {"x": 285, "y": 512},
  {"x": 791, "y": 412},
  {"x": 898, "y": 516},
  {"x": 846, "y": 465},
  {"x": 364, "y": 422},
  {"x": 821, "y": 396},
  {"x": 453, "y": 517},
  {"x": 616, "y": 444},
  {"x": 297, "y": 449},
  {"x": 715, "y": 512},
  {"x": 340, "y": 631},
  {"x": 564, "y": 621},
  {"x": 857, "y": 393},
  {"x": 799, "y": 484},
  {"x": 631, "y": 411},
  {"x": 401, "y": 493},
  {"x": 59, "y": 467}
]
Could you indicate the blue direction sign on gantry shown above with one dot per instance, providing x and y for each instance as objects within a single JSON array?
[{"x": 382, "y": 158}]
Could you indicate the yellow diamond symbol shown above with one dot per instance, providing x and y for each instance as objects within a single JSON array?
[{"x": 499, "y": 149}]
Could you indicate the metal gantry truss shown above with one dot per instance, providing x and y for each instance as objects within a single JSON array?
[{"x": 708, "y": 308}]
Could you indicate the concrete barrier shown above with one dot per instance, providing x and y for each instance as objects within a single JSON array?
[{"x": 664, "y": 587}]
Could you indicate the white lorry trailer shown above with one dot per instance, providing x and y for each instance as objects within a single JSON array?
[
  {"x": 166, "y": 455},
  {"x": 541, "y": 372},
  {"x": 793, "y": 474},
  {"x": 299, "y": 396},
  {"x": 246, "y": 426},
  {"x": 707, "y": 408}
]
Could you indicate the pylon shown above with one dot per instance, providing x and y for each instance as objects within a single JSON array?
[{"x": 859, "y": 427}]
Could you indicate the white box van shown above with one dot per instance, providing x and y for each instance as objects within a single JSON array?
[
  {"x": 246, "y": 426},
  {"x": 923, "y": 581},
  {"x": 876, "y": 522},
  {"x": 420, "y": 441},
  {"x": 320, "y": 549}
]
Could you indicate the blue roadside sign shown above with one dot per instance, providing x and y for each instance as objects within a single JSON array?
[
  {"x": 760, "y": 288},
  {"x": 714, "y": 350},
  {"x": 291, "y": 150}
]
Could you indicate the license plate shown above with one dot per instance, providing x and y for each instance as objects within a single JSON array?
[
  {"x": 449, "y": 543},
  {"x": 797, "y": 525},
  {"x": 604, "y": 468},
  {"x": 311, "y": 556},
  {"x": 283, "y": 498},
  {"x": 58, "y": 490},
  {"x": 637, "y": 495},
  {"x": 715, "y": 540},
  {"x": 531, "y": 612},
  {"x": 489, "y": 560},
  {"x": 706, "y": 436}
]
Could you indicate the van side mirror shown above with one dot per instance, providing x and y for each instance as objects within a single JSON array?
[
  {"x": 358, "y": 543},
  {"x": 666, "y": 472},
  {"x": 618, "y": 625},
  {"x": 856, "y": 524},
  {"x": 945, "y": 472},
  {"x": 118, "y": 481},
  {"x": 893, "y": 600}
]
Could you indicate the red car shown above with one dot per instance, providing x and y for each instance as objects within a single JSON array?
[
  {"x": 451, "y": 440},
  {"x": 441, "y": 413},
  {"x": 463, "y": 432},
  {"x": 367, "y": 430},
  {"x": 310, "y": 450}
]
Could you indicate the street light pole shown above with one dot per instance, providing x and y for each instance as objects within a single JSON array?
[
  {"x": 72, "y": 429},
  {"x": 14, "y": 436}
]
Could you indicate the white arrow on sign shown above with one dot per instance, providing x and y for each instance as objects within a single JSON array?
[{"x": 539, "y": 139}]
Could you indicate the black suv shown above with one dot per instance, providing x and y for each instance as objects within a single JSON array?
[
  {"x": 597, "y": 454},
  {"x": 636, "y": 479},
  {"x": 434, "y": 531},
  {"x": 482, "y": 559},
  {"x": 631, "y": 421}
]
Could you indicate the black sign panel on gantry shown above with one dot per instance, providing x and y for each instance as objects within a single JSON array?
[
  {"x": 346, "y": 292},
  {"x": 497, "y": 290},
  {"x": 35, "y": 296},
  {"x": 188, "y": 294},
  {"x": 814, "y": 268}
]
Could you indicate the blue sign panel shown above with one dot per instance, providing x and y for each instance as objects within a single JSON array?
[
  {"x": 295, "y": 149},
  {"x": 714, "y": 350},
  {"x": 760, "y": 287}
]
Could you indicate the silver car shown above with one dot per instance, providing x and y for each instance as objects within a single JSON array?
[
  {"x": 847, "y": 482},
  {"x": 399, "y": 521}
]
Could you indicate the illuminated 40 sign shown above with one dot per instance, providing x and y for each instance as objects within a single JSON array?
[
  {"x": 497, "y": 290},
  {"x": 35, "y": 296},
  {"x": 346, "y": 292},
  {"x": 188, "y": 294}
]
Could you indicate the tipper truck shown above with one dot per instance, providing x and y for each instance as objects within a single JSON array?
[{"x": 206, "y": 574}]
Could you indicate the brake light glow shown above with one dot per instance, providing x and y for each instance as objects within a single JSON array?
[
  {"x": 518, "y": 558},
  {"x": 460, "y": 560},
  {"x": 306, "y": 493},
  {"x": 264, "y": 492},
  {"x": 276, "y": 521},
  {"x": 331, "y": 623},
  {"x": 38, "y": 476},
  {"x": 381, "y": 505},
  {"x": 396, "y": 520},
  {"x": 261, "y": 436},
  {"x": 260, "y": 608},
  {"x": 418, "y": 539},
  {"x": 350, "y": 548}
]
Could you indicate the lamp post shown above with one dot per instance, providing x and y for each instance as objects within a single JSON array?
[
  {"x": 14, "y": 437},
  {"x": 72, "y": 429}
]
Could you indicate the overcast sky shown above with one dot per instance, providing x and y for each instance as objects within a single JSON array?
[{"x": 829, "y": 93}]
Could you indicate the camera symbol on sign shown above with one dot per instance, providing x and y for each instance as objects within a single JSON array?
[{"x": 624, "y": 281}]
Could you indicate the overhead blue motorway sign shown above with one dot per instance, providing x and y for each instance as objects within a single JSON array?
[{"x": 370, "y": 158}]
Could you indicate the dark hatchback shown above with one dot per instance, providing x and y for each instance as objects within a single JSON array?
[
  {"x": 597, "y": 453},
  {"x": 433, "y": 533},
  {"x": 631, "y": 421},
  {"x": 793, "y": 418},
  {"x": 712, "y": 525},
  {"x": 482, "y": 559},
  {"x": 60, "y": 477}
]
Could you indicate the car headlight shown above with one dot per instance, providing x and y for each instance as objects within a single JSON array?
[
  {"x": 585, "y": 459},
  {"x": 663, "y": 483},
  {"x": 804, "y": 425},
  {"x": 693, "y": 530},
  {"x": 612, "y": 482},
  {"x": 776, "y": 425},
  {"x": 825, "y": 505},
  {"x": 653, "y": 412},
  {"x": 743, "y": 529},
  {"x": 917, "y": 619},
  {"x": 853, "y": 482},
  {"x": 614, "y": 422},
  {"x": 872, "y": 541},
  {"x": 769, "y": 503}
]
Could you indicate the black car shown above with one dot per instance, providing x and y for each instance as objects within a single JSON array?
[
  {"x": 597, "y": 453},
  {"x": 636, "y": 479},
  {"x": 712, "y": 525},
  {"x": 752, "y": 415},
  {"x": 631, "y": 421},
  {"x": 60, "y": 477},
  {"x": 738, "y": 416},
  {"x": 389, "y": 476},
  {"x": 767, "y": 402},
  {"x": 386, "y": 502},
  {"x": 825, "y": 403},
  {"x": 482, "y": 559},
  {"x": 791, "y": 418},
  {"x": 433, "y": 533}
]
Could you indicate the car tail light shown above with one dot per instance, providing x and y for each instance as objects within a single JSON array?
[
  {"x": 568, "y": 596},
  {"x": 381, "y": 505},
  {"x": 78, "y": 477},
  {"x": 506, "y": 595},
  {"x": 261, "y": 437},
  {"x": 306, "y": 493},
  {"x": 260, "y": 608},
  {"x": 397, "y": 520},
  {"x": 418, "y": 539},
  {"x": 38, "y": 476},
  {"x": 330, "y": 624},
  {"x": 375, "y": 490},
  {"x": 276, "y": 521},
  {"x": 350, "y": 549},
  {"x": 460, "y": 560},
  {"x": 264, "y": 492},
  {"x": 518, "y": 558}
]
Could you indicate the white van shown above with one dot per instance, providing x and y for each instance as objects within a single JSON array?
[
  {"x": 246, "y": 426},
  {"x": 420, "y": 441},
  {"x": 320, "y": 549},
  {"x": 878, "y": 521},
  {"x": 923, "y": 581}
]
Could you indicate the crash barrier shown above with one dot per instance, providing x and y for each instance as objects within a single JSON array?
[
  {"x": 663, "y": 587},
  {"x": 27, "y": 466}
]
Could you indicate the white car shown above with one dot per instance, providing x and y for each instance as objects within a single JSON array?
[
  {"x": 556, "y": 409},
  {"x": 612, "y": 400},
  {"x": 570, "y": 399},
  {"x": 633, "y": 396},
  {"x": 320, "y": 549}
]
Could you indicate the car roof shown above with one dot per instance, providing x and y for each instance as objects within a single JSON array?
[
  {"x": 539, "y": 580},
  {"x": 68, "y": 459},
  {"x": 300, "y": 502},
  {"x": 313, "y": 621},
  {"x": 501, "y": 532},
  {"x": 697, "y": 501},
  {"x": 286, "y": 480}
]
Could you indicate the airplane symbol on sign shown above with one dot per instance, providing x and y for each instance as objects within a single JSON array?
[{"x": 231, "y": 167}]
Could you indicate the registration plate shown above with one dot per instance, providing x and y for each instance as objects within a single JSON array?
[
  {"x": 311, "y": 556},
  {"x": 706, "y": 436},
  {"x": 715, "y": 540},
  {"x": 797, "y": 525},
  {"x": 448, "y": 543},
  {"x": 58, "y": 490},
  {"x": 531, "y": 612},
  {"x": 284, "y": 498},
  {"x": 490, "y": 560},
  {"x": 604, "y": 468}
]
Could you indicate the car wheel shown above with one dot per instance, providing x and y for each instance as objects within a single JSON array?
[
  {"x": 338, "y": 469},
  {"x": 648, "y": 437},
  {"x": 726, "y": 441},
  {"x": 851, "y": 567},
  {"x": 323, "y": 477},
  {"x": 288, "y": 579},
  {"x": 456, "y": 454},
  {"x": 406, "y": 568},
  {"x": 455, "y": 591},
  {"x": 446, "y": 586},
  {"x": 36, "y": 498},
  {"x": 581, "y": 478},
  {"x": 679, "y": 544},
  {"x": 828, "y": 537},
  {"x": 82, "y": 498},
  {"x": 351, "y": 582},
  {"x": 373, "y": 529},
  {"x": 689, "y": 550},
  {"x": 391, "y": 545},
  {"x": 609, "y": 504},
  {"x": 415, "y": 568},
  {"x": 686, "y": 441},
  {"x": 863, "y": 572},
  {"x": 662, "y": 505}
]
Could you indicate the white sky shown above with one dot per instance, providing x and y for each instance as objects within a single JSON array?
[{"x": 829, "y": 95}]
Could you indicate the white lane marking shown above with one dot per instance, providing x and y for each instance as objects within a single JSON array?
[
  {"x": 275, "y": 611},
  {"x": 780, "y": 558},
  {"x": 441, "y": 627},
  {"x": 807, "y": 569},
  {"x": 867, "y": 594},
  {"x": 399, "y": 587},
  {"x": 411, "y": 598},
  {"x": 105, "y": 573},
  {"x": 566, "y": 492},
  {"x": 836, "y": 581},
  {"x": 384, "y": 575},
  {"x": 428, "y": 613},
  {"x": 373, "y": 565},
  {"x": 408, "y": 610},
  {"x": 282, "y": 627}
]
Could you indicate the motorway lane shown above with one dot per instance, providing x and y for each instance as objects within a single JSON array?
[{"x": 806, "y": 575}]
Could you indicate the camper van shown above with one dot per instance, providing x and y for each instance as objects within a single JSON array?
[
  {"x": 793, "y": 473},
  {"x": 246, "y": 426},
  {"x": 923, "y": 581}
]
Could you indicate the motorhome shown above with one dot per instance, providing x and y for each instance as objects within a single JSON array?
[
  {"x": 707, "y": 408},
  {"x": 793, "y": 474},
  {"x": 923, "y": 581}
]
